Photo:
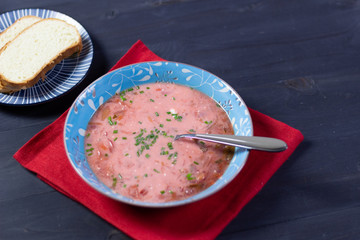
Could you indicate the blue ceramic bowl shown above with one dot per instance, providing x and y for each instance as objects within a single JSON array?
[{"x": 142, "y": 73}]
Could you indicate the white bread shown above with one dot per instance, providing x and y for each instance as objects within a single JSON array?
[
  {"x": 17, "y": 27},
  {"x": 36, "y": 50}
]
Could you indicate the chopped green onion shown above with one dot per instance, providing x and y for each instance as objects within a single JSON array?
[
  {"x": 170, "y": 145},
  {"x": 189, "y": 177},
  {"x": 115, "y": 131},
  {"x": 124, "y": 138},
  {"x": 89, "y": 150},
  {"x": 114, "y": 182},
  {"x": 156, "y": 114},
  {"x": 196, "y": 163},
  {"x": 155, "y": 170},
  {"x": 162, "y": 192},
  {"x": 147, "y": 155},
  {"x": 161, "y": 125},
  {"x": 152, "y": 100},
  {"x": 206, "y": 122},
  {"x": 177, "y": 117},
  {"x": 164, "y": 152},
  {"x": 110, "y": 121}
]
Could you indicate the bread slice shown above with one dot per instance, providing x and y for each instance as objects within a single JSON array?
[
  {"x": 17, "y": 27},
  {"x": 36, "y": 50}
]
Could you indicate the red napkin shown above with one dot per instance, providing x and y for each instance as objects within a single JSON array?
[{"x": 45, "y": 155}]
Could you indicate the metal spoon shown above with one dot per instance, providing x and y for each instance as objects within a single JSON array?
[{"x": 256, "y": 143}]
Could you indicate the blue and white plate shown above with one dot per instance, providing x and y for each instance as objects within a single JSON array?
[
  {"x": 64, "y": 76},
  {"x": 148, "y": 72}
]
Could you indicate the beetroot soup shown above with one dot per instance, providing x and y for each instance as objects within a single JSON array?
[{"x": 130, "y": 143}]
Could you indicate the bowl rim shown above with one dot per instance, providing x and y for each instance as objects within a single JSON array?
[{"x": 160, "y": 204}]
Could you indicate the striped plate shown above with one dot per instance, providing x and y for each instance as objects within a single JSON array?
[{"x": 64, "y": 76}]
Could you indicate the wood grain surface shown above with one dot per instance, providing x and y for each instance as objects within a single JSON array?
[{"x": 296, "y": 61}]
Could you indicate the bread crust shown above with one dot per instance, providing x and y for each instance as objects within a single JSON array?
[{"x": 7, "y": 86}]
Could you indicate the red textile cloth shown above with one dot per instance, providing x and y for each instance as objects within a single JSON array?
[{"x": 45, "y": 155}]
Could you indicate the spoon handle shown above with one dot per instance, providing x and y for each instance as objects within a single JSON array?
[{"x": 248, "y": 142}]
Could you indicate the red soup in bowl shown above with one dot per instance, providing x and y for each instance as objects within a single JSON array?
[{"x": 130, "y": 146}]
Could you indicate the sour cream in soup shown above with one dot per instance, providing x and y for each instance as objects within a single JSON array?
[{"x": 130, "y": 143}]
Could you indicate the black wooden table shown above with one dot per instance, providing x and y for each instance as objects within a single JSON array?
[{"x": 296, "y": 61}]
